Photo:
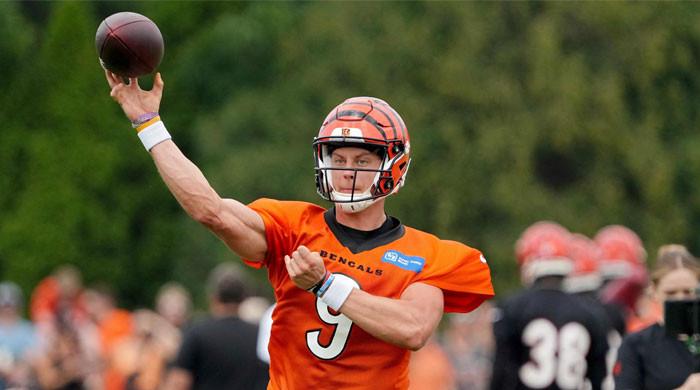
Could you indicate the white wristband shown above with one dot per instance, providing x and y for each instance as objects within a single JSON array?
[
  {"x": 338, "y": 292},
  {"x": 153, "y": 135}
]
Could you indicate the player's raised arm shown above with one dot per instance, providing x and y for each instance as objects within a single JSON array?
[{"x": 238, "y": 226}]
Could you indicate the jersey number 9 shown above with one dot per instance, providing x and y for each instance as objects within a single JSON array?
[{"x": 340, "y": 335}]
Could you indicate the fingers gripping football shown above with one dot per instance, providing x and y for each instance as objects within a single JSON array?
[
  {"x": 134, "y": 100},
  {"x": 305, "y": 268}
]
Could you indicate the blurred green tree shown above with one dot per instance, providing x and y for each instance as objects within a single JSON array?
[
  {"x": 82, "y": 192},
  {"x": 580, "y": 113}
]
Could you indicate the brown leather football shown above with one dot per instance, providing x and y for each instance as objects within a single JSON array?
[{"x": 129, "y": 44}]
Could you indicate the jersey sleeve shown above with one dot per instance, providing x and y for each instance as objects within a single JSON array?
[
  {"x": 285, "y": 223},
  {"x": 277, "y": 230},
  {"x": 462, "y": 274}
]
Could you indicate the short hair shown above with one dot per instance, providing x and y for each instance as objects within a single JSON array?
[
  {"x": 175, "y": 290},
  {"x": 69, "y": 278},
  {"x": 226, "y": 284}
]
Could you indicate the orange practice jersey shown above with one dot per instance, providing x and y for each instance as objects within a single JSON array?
[{"x": 314, "y": 347}]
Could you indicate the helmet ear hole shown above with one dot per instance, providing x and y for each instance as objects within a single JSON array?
[{"x": 386, "y": 184}]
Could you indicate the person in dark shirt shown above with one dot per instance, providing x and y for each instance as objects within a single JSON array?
[
  {"x": 651, "y": 358},
  {"x": 546, "y": 338},
  {"x": 220, "y": 352}
]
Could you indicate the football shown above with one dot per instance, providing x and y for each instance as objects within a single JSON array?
[{"x": 129, "y": 44}]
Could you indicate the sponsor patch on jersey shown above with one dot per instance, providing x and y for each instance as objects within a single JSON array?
[{"x": 409, "y": 263}]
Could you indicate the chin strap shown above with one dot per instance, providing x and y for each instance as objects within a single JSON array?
[{"x": 355, "y": 207}]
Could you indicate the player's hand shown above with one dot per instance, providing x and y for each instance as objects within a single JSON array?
[
  {"x": 134, "y": 100},
  {"x": 692, "y": 383},
  {"x": 305, "y": 268}
]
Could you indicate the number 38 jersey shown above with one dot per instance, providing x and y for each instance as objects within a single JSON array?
[
  {"x": 548, "y": 339},
  {"x": 313, "y": 347}
]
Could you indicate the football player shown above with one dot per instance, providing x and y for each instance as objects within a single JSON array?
[
  {"x": 356, "y": 289},
  {"x": 546, "y": 338},
  {"x": 625, "y": 276},
  {"x": 585, "y": 280}
]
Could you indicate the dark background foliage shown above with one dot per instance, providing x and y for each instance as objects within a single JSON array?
[{"x": 582, "y": 113}]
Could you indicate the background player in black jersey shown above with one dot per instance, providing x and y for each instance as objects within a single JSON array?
[
  {"x": 546, "y": 338},
  {"x": 585, "y": 280}
]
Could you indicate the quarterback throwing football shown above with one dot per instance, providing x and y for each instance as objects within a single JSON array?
[{"x": 356, "y": 289}]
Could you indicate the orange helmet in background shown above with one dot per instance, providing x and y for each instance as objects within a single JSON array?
[
  {"x": 622, "y": 252},
  {"x": 543, "y": 250},
  {"x": 585, "y": 255}
]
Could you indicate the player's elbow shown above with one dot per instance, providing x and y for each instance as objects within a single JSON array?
[
  {"x": 415, "y": 341},
  {"x": 418, "y": 331},
  {"x": 415, "y": 337}
]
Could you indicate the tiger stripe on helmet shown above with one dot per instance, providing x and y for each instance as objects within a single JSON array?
[
  {"x": 385, "y": 109},
  {"x": 363, "y": 116},
  {"x": 397, "y": 119}
]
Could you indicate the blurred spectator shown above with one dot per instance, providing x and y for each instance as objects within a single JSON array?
[
  {"x": 430, "y": 368},
  {"x": 143, "y": 356},
  {"x": 258, "y": 310},
  {"x": 17, "y": 338},
  {"x": 113, "y": 326},
  {"x": 58, "y": 298},
  {"x": 468, "y": 342},
  {"x": 675, "y": 256},
  {"x": 67, "y": 359},
  {"x": 651, "y": 358},
  {"x": 252, "y": 309},
  {"x": 649, "y": 310},
  {"x": 546, "y": 338},
  {"x": 174, "y": 303},
  {"x": 220, "y": 352}
]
